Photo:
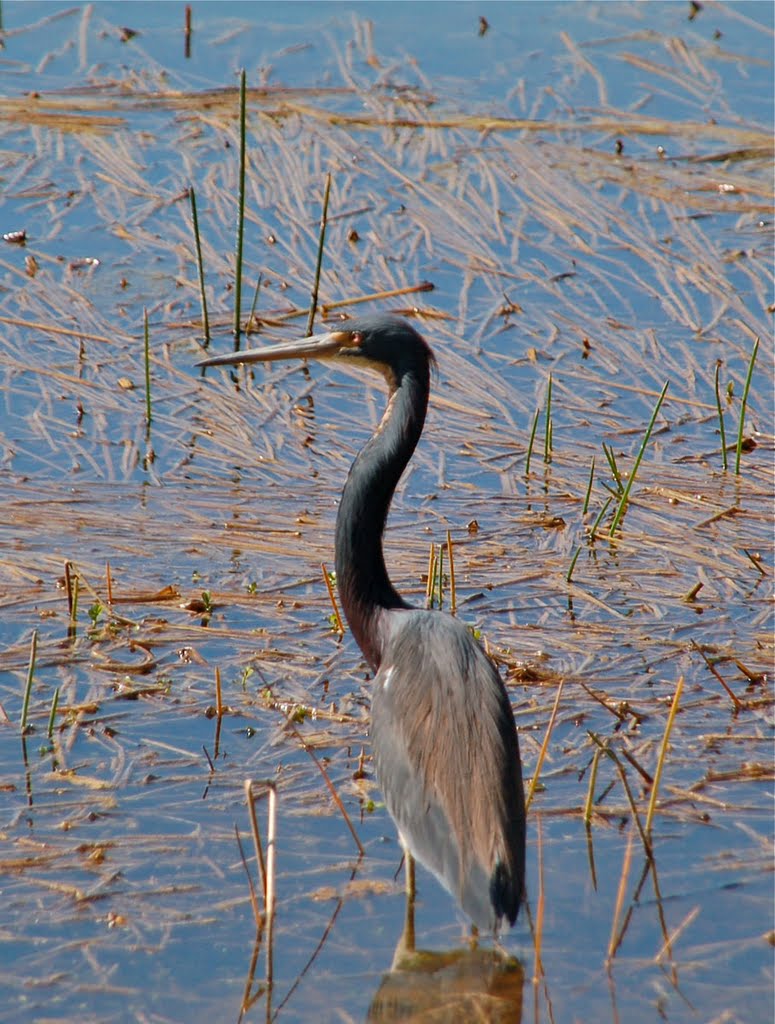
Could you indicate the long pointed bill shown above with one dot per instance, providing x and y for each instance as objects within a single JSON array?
[{"x": 318, "y": 346}]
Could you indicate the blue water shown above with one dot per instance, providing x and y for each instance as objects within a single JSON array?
[{"x": 241, "y": 497}]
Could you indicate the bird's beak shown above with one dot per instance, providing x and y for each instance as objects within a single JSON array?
[{"x": 318, "y": 346}]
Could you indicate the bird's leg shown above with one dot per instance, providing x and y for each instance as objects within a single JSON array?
[
  {"x": 405, "y": 946},
  {"x": 410, "y": 895}
]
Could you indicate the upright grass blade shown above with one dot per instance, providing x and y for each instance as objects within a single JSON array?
[
  {"x": 615, "y": 939},
  {"x": 591, "y": 788},
  {"x": 429, "y": 590},
  {"x": 662, "y": 754},
  {"x": 452, "y": 589},
  {"x": 30, "y": 677},
  {"x": 634, "y": 471},
  {"x": 589, "y": 487},
  {"x": 538, "y": 968},
  {"x": 743, "y": 406},
  {"x": 254, "y": 303},
  {"x": 601, "y": 513},
  {"x": 611, "y": 458},
  {"x": 313, "y": 305},
  {"x": 200, "y": 267},
  {"x": 548, "y": 424},
  {"x": 544, "y": 747},
  {"x": 240, "y": 214},
  {"x": 531, "y": 442},
  {"x": 52, "y": 714},
  {"x": 722, "y": 431},
  {"x": 147, "y": 361},
  {"x": 572, "y": 566}
]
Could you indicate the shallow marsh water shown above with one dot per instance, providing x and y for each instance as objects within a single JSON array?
[{"x": 588, "y": 188}]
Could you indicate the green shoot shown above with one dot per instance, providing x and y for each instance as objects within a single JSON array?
[
  {"x": 609, "y": 454},
  {"x": 200, "y": 268},
  {"x": 147, "y": 359},
  {"x": 662, "y": 754},
  {"x": 30, "y": 677},
  {"x": 573, "y": 561},
  {"x": 631, "y": 479},
  {"x": 601, "y": 513},
  {"x": 548, "y": 424},
  {"x": 251, "y": 318},
  {"x": 313, "y": 305},
  {"x": 240, "y": 212},
  {"x": 52, "y": 714},
  {"x": 723, "y": 432},
  {"x": 589, "y": 487},
  {"x": 532, "y": 441},
  {"x": 743, "y": 406}
]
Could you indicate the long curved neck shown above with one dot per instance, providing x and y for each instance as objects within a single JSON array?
[{"x": 363, "y": 583}]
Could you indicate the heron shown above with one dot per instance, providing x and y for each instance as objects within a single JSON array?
[{"x": 444, "y": 740}]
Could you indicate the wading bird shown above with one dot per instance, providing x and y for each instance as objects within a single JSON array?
[{"x": 443, "y": 735}]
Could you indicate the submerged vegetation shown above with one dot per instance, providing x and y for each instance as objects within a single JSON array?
[{"x": 595, "y": 487}]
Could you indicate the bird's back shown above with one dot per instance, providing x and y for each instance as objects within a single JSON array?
[{"x": 447, "y": 760}]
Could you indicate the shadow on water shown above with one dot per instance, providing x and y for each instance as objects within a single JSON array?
[{"x": 588, "y": 188}]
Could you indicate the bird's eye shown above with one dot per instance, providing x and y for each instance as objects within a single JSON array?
[{"x": 356, "y": 339}]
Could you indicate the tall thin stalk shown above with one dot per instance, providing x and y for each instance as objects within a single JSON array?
[
  {"x": 313, "y": 305},
  {"x": 240, "y": 213},
  {"x": 744, "y": 406},
  {"x": 634, "y": 471},
  {"x": 722, "y": 431},
  {"x": 200, "y": 267}
]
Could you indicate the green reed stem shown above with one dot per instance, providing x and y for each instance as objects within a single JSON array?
[
  {"x": 591, "y": 789},
  {"x": 633, "y": 473},
  {"x": 548, "y": 424},
  {"x": 609, "y": 454},
  {"x": 723, "y": 432},
  {"x": 662, "y": 754},
  {"x": 589, "y": 487},
  {"x": 147, "y": 359},
  {"x": 52, "y": 715},
  {"x": 254, "y": 302},
  {"x": 313, "y": 305},
  {"x": 601, "y": 513},
  {"x": 30, "y": 677},
  {"x": 531, "y": 442},
  {"x": 744, "y": 406},
  {"x": 240, "y": 211},
  {"x": 569, "y": 574},
  {"x": 200, "y": 267}
]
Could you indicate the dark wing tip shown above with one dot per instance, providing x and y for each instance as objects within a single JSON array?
[{"x": 505, "y": 893}]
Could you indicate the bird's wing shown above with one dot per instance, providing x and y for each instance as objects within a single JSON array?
[{"x": 446, "y": 757}]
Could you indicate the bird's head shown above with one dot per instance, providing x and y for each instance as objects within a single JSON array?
[{"x": 383, "y": 343}]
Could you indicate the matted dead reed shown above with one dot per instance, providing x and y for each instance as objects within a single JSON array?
[{"x": 611, "y": 535}]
